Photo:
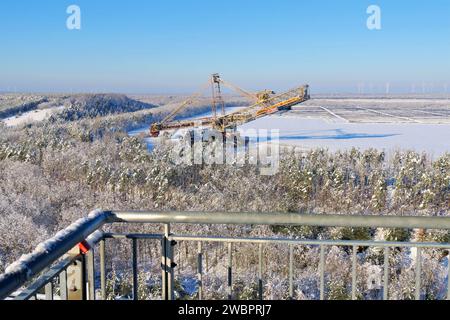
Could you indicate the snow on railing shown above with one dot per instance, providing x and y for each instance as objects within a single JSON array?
[{"x": 49, "y": 251}]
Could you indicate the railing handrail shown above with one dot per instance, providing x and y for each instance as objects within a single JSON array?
[
  {"x": 53, "y": 249},
  {"x": 255, "y": 218}
]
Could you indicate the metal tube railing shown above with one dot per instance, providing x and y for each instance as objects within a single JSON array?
[
  {"x": 357, "y": 243},
  {"x": 322, "y": 244},
  {"x": 243, "y": 218},
  {"x": 52, "y": 250},
  {"x": 41, "y": 282}
]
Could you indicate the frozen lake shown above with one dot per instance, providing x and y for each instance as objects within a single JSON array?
[{"x": 312, "y": 133}]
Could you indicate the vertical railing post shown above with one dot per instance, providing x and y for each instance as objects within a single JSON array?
[
  {"x": 163, "y": 267},
  {"x": 448, "y": 275},
  {"x": 90, "y": 272},
  {"x": 76, "y": 287},
  {"x": 354, "y": 283},
  {"x": 167, "y": 265},
  {"x": 63, "y": 285},
  {"x": 207, "y": 260},
  {"x": 83, "y": 277},
  {"x": 386, "y": 274},
  {"x": 180, "y": 260},
  {"x": 230, "y": 271},
  {"x": 322, "y": 272},
  {"x": 102, "y": 269},
  {"x": 291, "y": 271},
  {"x": 260, "y": 272},
  {"x": 49, "y": 290},
  {"x": 418, "y": 272},
  {"x": 135, "y": 271},
  {"x": 200, "y": 270}
]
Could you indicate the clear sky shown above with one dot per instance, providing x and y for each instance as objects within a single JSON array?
[{"x": 159, "y": 46}]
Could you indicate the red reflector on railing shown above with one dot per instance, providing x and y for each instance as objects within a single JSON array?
[{"x": 84, "y": 247}]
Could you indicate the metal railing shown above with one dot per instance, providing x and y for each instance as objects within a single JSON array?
[{"x": 64, "y": 267}]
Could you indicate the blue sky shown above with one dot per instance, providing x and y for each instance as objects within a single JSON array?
[{"x": 160, "y": 46}]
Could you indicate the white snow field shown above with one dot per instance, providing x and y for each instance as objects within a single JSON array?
[
  {"x": 311, "y": 133},
  {"x": 31, "y": 116},
  {"x": 422, "y": 125}
]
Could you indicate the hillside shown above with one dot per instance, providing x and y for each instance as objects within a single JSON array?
[{"x": 95, "y": 105}]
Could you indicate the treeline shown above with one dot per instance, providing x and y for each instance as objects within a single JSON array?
[
  {"x": 350, "y": 181},
  {"x": 98, "y": 105}
]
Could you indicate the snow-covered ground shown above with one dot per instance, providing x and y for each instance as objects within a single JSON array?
[
  {"x": 311, "y": 133},
  {"x": 31, "y": 116}
]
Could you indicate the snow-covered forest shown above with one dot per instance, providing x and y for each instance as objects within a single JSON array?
[{"x": 55, "y": 171}]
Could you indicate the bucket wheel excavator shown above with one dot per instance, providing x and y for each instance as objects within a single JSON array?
[{"x": 264, "y": 103}]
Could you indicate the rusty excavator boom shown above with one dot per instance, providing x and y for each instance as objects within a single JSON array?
[{"x": 263, "y": 103}]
